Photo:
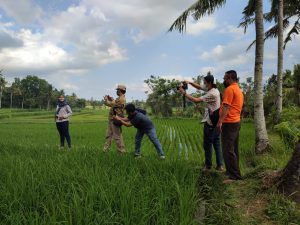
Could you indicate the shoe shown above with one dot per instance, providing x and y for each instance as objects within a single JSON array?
[
  {"x": 105, "y": 149},
  {"x": 61, "y": 147},
  {"x": 220, "y": 168},
  {"x": 206, "y": 168},
  {"x": 162, "y": 157},
  {"x": 137, "y": 156},
  {"x": 228, "y": 181}
]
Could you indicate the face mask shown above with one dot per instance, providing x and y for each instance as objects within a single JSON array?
[
  {"x": 225, "y": 84},
  {"x": 205, "y": 88}
]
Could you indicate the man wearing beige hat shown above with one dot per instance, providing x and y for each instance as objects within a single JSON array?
[{"x": 114, "y": 130}]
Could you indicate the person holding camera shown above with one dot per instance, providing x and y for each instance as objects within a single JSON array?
[
  {"x": 114, "y": 130},
  {"x": 211, "y": 116},
  {"x": 144, "y": 125},
  {"x": 62, "y": 114}
]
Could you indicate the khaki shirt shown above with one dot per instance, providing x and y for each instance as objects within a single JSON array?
[{"x": 117, "y": 105}]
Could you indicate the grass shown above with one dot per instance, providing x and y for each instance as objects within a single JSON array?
[{"x": 42, "y": 185}]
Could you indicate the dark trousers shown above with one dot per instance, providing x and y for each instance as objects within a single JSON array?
[
  {"x": 211, "y": 139},
  {"x": 63, "y": 130},
  {"x": 230, "y": 147}
]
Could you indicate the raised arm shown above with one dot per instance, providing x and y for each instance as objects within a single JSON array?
[
  {"x": 195, "y": 85},
  {"x": 190, "y": 97}
]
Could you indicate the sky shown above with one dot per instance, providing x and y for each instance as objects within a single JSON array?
[{"x": 90, "y": 46}]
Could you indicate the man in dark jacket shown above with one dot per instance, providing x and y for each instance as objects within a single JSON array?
[{"x": 144, "y": 126}]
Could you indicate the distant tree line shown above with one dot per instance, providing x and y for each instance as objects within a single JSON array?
[{"x": 33, "y": 92}]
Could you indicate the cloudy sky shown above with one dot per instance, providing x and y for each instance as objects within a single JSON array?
[{"x": 89, "y": 46}]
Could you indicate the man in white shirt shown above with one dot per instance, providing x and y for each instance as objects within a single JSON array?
[{"x": 210, "y": 119}]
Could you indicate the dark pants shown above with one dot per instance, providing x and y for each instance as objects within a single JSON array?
[
  {"x": 230, "y": 147},
  {"x": 211, "y": 138},
  {"x": 63, "y": 129}
]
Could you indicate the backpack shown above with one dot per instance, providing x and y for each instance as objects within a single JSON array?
[
  {"x": 214, "y": 117},
  {"x": 143, "y": 111}
]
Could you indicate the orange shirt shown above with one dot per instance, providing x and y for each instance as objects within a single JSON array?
[{"x": 233, "y": 97}]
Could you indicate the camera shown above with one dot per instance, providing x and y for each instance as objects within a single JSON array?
[{"x": 184, "y": 85}]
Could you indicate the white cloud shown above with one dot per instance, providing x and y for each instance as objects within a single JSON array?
[
  {"x": 23, "y": 11},
  {"x": 199, "y": 27},
  {"x": 232, "y": 54},
  {"x": 176, "y": 77},
  {"x": 236, "y": 32}
]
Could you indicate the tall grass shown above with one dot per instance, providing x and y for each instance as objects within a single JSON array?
[{"x": 41, "y": 184}]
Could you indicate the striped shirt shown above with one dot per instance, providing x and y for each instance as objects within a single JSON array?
[{"x": 213, "y": 101}]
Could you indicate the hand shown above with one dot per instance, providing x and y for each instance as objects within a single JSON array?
[
  {"x": 61, "y": 118},
  {"x": 117, "y": 118},
  {"x": 110, "y": 98},
  {"x": 219, "y": 128},
  {"x": 105, "y": 98}
]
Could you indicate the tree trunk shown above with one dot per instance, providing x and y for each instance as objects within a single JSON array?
[
  {"x": 0, "y": 97},
  {"x": 48, "y": 104},
  {"x": 289, "y": 182},
  {"x": 11, "y": 99},
  {"x": 22, "y": 102},
  {"x": 261, "y": 136},
  {"x": 280, "y": 62}
]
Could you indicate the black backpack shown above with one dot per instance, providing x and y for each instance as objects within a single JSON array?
[
  {"x": 143, "y": 111},
  {"x": 214, "y": 117}
]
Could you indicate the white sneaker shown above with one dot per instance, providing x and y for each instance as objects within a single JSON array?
[{"x": 162, "y": 157}]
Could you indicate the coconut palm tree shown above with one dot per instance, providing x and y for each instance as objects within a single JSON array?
[
  {"x": 261, "y": 135},
  {"x": 282, "y": 13},
  {"x": 291, "y": 14},
  {"x": 2, "y": 86},
  {"x": 207, "y": 7},
  {"x": 279, "y": 62}
]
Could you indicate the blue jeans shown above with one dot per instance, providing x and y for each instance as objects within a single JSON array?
[
  {"x": 211, "y": 138},
  {"x": 151, "y": 133}
]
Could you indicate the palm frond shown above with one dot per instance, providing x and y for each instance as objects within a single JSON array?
[
  {"x": 294, "y": 31},
  {"x": 272, "y": 32},
  {"x": 197, "y": 10},
  {"x": 248, "y": 13}
]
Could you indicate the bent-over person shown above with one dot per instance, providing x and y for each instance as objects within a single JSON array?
[{"x": 144, "y": 126}]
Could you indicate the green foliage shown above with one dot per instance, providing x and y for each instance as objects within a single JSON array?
[
  {"x": 290, "y": 128},
  {"x": 282, "y": 211},
  {"x": 33, "y": 92},
  {"x": 44, "y": 185},
  {"x": 163, "y": 95}
]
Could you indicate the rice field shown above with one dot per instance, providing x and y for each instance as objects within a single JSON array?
[{"x": 41, "y": 184}]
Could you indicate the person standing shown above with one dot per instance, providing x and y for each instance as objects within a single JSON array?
[
  {"x": 62, "y": 114},
  {"x": 144, "y": 126},
  {"x": 229, "y": 124},
  {"x": 210, "y": 137},
  {"x": 114, "y": 130}
]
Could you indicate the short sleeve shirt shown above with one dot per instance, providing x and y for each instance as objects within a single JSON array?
[
  {"x": 141, "y": 121},
  {"x": 233, "y": 96},
  {"x": 212, "y": 100}
]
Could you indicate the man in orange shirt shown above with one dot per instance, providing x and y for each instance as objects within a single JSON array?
[{"x": 229, "y": 124}]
